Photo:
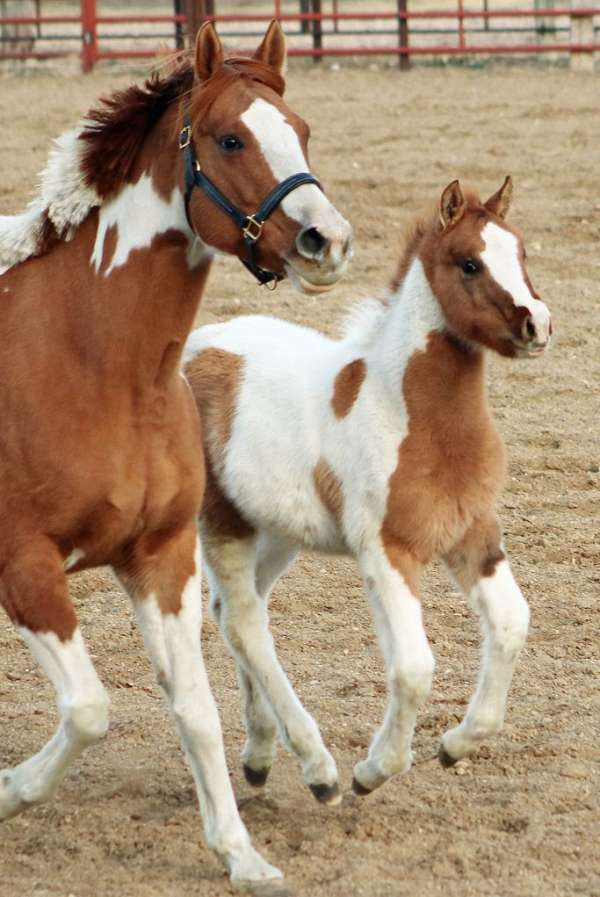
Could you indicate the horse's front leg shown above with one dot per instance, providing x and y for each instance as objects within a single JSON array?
[
  {"x": 391, "y": 578},
  {"x": 163, "y": 576},
  {"x": 480, "y": 566}
]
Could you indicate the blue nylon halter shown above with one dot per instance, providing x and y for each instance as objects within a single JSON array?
[{"x": 250, "y": 225}]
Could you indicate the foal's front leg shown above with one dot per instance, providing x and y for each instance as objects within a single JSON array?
[
  {"x": 480, "y": 566},
  {"x": 162, "y": 577},
  {"x": 390, "y": 577}
]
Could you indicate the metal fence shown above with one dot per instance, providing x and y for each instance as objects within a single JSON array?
[{"x": 97, "y": 29}]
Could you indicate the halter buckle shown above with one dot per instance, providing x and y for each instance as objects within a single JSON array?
[
  {"x": 185, "y": 137},
  {"x": 253, "y": 229}
]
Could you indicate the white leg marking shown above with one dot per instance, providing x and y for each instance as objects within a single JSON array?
[
  {"x": 244, "y": 624},
  {"x": 173, "y": 642},
  {"x": 409, "y": 664},
  {"x": 505, "y": 617},
  {"x": 83, "y": 708}
]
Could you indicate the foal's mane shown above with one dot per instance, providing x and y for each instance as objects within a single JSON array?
[
  {"x": 365, "y": 318},
  {"x": 93, "y": 161}
]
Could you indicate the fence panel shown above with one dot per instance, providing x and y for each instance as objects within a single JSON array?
[{"x": 404, "y": 29}]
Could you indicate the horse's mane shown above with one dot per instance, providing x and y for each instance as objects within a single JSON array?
[
  {"x": 94, "y": 160},
  {"x": 115, "y": 131}
]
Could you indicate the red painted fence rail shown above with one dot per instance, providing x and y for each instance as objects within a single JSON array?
[{"x": 315, "y": 28}]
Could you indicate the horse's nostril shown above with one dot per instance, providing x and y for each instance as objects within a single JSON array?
[{"x": 311, "y": 242}]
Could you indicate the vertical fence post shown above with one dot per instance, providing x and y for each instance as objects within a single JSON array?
[
  {"x": 403, "y": 58},
  {"x": 197, "y": 11},
  {"x": 582, "y": 32},
  {"x": 317, "y": 30},
  {"x": 89, "y": 37}
]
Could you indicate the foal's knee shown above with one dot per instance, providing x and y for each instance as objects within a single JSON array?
[
  {"x": 413, "y": 679},
  {"x": 87, "y": 718}
]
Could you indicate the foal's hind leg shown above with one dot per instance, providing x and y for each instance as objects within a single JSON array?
[
  {"x": 34, "y": 592},
  {"x": 244, "y": 623},
  {"x": 479, "y": 564},
  {"x": 274, "y": 556},
  {"x": 162, "y": 576}
]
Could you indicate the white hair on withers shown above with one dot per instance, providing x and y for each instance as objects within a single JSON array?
[{"x": 63, "y": 198}]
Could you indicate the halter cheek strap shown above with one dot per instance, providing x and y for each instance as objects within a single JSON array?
[{"x": 250, "y": 225}]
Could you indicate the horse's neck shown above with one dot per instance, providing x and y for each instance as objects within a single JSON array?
[
  {"x": 136, "y": 273},
  {"x": 415, "y": 328}
]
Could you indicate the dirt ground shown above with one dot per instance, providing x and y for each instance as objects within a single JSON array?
[{"x": 522, "y": 816}]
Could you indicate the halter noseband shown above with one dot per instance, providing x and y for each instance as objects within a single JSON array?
[{"x": 251, "y": 225}]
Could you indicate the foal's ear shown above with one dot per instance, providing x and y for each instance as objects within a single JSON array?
[
  {"x": 452, "y": 205},
  {"x": 272, "y": 51},
  {"x": 499, "y": 203},
  {"x": 209, "y": 52}
]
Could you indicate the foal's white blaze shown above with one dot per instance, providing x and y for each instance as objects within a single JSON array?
[
  {"x": 282, "y": 150},
  {"x": 501, "y": 256}
]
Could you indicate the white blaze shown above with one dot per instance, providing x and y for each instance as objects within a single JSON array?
[
  {"x": 281, "y": 149},
  {"x": 501, "y": 257}
]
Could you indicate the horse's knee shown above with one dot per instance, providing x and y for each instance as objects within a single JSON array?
[{"x": 87, "y": 718}]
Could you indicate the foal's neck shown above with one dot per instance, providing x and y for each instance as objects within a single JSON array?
[{"x": 414, "y": 327}]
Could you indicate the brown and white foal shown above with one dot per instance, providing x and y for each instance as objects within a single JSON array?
[
  {"x": 100, "y": 452},
  {"x": 380, "y": 446}
]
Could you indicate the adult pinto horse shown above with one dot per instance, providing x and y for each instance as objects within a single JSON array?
[{"x": 100, "y": 459}]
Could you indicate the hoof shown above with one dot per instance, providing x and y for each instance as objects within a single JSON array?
[
  {"x": 255, "y": 777},
  {"x": 360, "y": 789},
  {"x": 445, "y": 759},
  {"x": 327, "y": 794}
]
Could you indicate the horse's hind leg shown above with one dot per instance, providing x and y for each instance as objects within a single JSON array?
[
  {"x": 34, "y": 593},
  {"x": 274, "y": 556},
  {"x": 479, "y": 565},
  {"x": 243, "y": 621},
  {"x": 163, "y": 578}
]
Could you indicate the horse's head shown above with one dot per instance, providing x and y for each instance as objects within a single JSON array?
[
  {"x": 475, "y": 263},
  {"x": 246, "y": 141}
]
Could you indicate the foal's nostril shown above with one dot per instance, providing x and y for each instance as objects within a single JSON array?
[
  {"x": 311, "y": 242},
  {"x": 529, "y": 331}
]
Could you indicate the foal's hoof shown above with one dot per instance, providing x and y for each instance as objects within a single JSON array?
[
  {"x": 359, "y": 789},
  {"x": 255, "y": 777},
  {"x": 327, "y": 794},
  {"x": 445, "y": 758}
]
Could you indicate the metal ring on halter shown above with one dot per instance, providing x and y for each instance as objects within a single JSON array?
[{"x": 250, "y": 225}]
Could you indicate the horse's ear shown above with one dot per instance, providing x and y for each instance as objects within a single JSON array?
[
  {"x": 500, "y": 202},
  {"x": 272, "y": 50},
  {"x": 452, "y": 205},
  {"x": 209, "y": 52}
]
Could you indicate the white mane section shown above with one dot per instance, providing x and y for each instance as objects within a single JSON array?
[
  {"x": 63, "y": 197},
  {"x": 363, "y": 321}
]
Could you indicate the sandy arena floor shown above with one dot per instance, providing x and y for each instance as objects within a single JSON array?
[{"x": 520, "y": 818}]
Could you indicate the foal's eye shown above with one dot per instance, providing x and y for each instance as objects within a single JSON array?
[
  {"x": 230, "y": 143},
  {"x": 469, "y": 266}
]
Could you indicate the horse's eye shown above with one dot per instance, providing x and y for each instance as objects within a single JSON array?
[
  {"x": 469, "y": 266},
  {"x": 230, "y": 143}
]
